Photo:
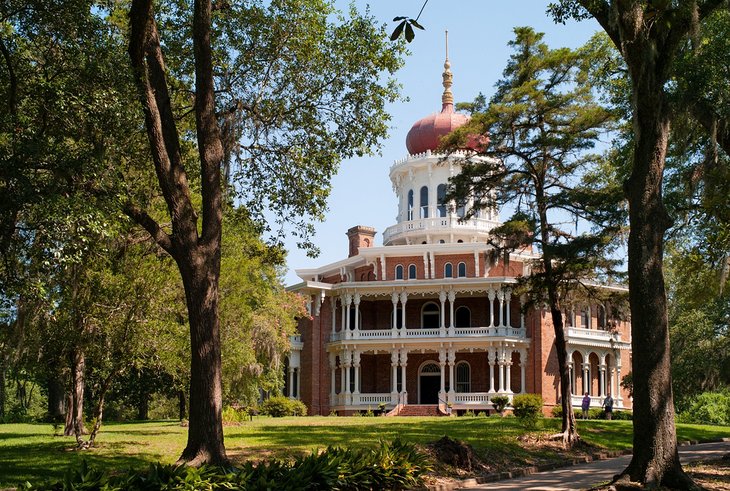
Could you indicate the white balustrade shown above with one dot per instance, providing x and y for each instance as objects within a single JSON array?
[
  {"x": 595, "y": 334},
  {"x": 513, "y": 332}
]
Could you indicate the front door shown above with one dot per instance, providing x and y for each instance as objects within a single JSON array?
[{"x": 430, "y": 386}]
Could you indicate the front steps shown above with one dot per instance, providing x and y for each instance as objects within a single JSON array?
[{"x": 420, "y": 410}]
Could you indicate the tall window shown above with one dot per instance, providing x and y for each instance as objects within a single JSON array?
[
  {"x": 352, "y": 379},
  {"x": 399, "y": 272},
  {"x": 424, "y": 202},
  {"x": 441, "y": 199},
  {"x": 463, "y": 377},
  {"x": 585, "y": 318},
  {"x": 448, "y": 270},
  {"x": 462, "y": 270},
  {"x": 410, "y": 204},
  {"x": 462, "y": 317},
  {"x": 430, "y": 315},
  {"x": 569, "y": 318},
  {"x": 412, "y": 272},
  {"x": 601, "y": 317}
]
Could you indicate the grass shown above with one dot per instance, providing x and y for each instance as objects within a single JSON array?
[{"x": 32, "y": 452}]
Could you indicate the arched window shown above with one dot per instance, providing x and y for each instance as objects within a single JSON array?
[
  {"x": 441, "y": 199},
  {"x": 399, "y": 272},
  {"x": 412, "y": 272},
  {"x": 430, "y": 369},
  {"x": 462, "y": 270},
  {"x": 462, "y": 317},
  {"x": 585, "y": 318},
  {"x": 448, "y": 270},
  {"x": 398, "y": 318},
  {"x": 601, "y": 317},
  {"x": 424, "y": 202},
  {"x": 569, "y": 318},
  {"x": 410, "y": 204},
  {"x": 463, "y": 377},
  {"x": 430, "y": 315}
]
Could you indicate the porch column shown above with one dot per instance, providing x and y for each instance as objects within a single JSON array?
[
  {"x": 403, "y": 364},
  {"x": 442, "y": 322},
  {"x": 491, "y": 358},
  {"x": 452, "y": 298},
  {"x": 523, "y": 362},
  {"x": 426, "y": 269},
  {"x": 452, "y": 362},
  {"x": 507, "y": 300},
  {"x": 571, "y": 373},
  {"x": 442, "y": 364},
  {"x": 348, "y": 302},
  {"x": 522, "y": 313},
  {"x": 343, "y": 378},
  {"x": 356, "y": 364},
  {"x": 333, "y": 377},
  {"x": 491, "y": 296},
  {"x": 476, "y": 263},
  {"x": 394, "y": 326},
  {"x": 348, "y": 365},
  {"x": 403, "y": 301},
  {"x": 291, "y": 382},
  {"x": 356, "y": 327},
  {"x": 299, "y": 382},
  {"x": 394, "y": 376},
  {"x": 343, "y": 308},
  {"x": 508, "y": 373},
  {"x": 500, "y": 298},
  {"x": 586, "y": 375},
  {"x": 602, "y": 380},
  {"x": 500, "y": 365},
  {"x": 618, "y": 383},
  {"x": 333, "y": 304}
]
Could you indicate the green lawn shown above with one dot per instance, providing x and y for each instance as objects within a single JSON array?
[{"x": 31, "y": 452}]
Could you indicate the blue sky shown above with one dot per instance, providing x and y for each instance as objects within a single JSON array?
[{"x": 479, "y": 31}]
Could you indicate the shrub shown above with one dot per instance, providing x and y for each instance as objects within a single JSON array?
[
  {"x": 393, "y": 465},
  {"x": 708, "y": 408},
  {"x": 237, "y": 415},
  {"x": 527, "y": 409},
  {"x": 499, "y": 403},
  {"x": 623, "y": 415},
  {"x": 280, "y": 406}
]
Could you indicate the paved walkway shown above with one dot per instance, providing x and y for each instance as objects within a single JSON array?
[{"x": 585, "y": 476}]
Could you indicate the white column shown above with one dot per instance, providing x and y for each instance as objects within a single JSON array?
[
  {"x": 348, "y": 302},
  {"x": 508, "y": 372},
  {"x": 476, "y": 264},
  {"x": 384, "y": 273},
  {"x": 333, "y": 305},
  {"x": 452, "y": 362},
  {"x": 356, "y": 327},
  {"x": 394, "y": 375},
  {"x": 291, "y": 382},
  {"x": 522, "y": 313},
  {"x": 299, "y": 382},
  {"x": 343, "y": 307},
  {"x": 618, "y": 383},
  {"x": 602, "y": 380},
  {"x": 333, "y": 377},
  {"x": 491, "y": 295},
  {"x": 500, "y": 365},
  {"x": 586, "y": 375},
  {"x": 442, "y": 364},
  {"x": 432, "y": 257},
  {"x": 426, "y": 272},
  {"x": 348, "y": 365},
  {"x": 356, "y": 364},
  {"x": 343, "y": 377},
  {"x": 403, "y": 301},
  {"x": 523, "y": 366},
  {"x": 491, "y": 358},
  {"x": 452, "y": 298},
  {"x": 571, "y": 373},
  {"x": 442, "y": 322},
  {"x": 508, "y": 298},
  {"x": 403, "y": 365}
]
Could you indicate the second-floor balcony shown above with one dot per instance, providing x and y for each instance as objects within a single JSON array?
[
  {"x": 438, "y": 224},
  {"x": 420, "y": 333},
  {"x": 585, "y": 334}
]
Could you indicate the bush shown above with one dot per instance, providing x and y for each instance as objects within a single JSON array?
[
  {"x": 499, "y": 403},
  {"x": 593, "y": 413},
  {"x": 393, "y": 465},
  {"x": 708, "y": 408},
  {"x": 623, "y": 415},
  {"x": 280, "y": 406},
  {"x": 527, "y": 409}
]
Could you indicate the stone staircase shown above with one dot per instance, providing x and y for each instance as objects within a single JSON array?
[{"x": 420, "y": 410}]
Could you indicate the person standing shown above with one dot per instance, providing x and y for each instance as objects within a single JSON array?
[
  {"x": 608, "y": 406},
  {"x": 585, "y": 404}
]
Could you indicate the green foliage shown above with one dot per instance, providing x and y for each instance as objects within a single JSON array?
[
  {"x": 527, "y": 409},
  {"x": 280, "y": 406},
  {"x": 395, "y": 465},
  {"x": 499, "y": 403},
  {"x": 593, "y": 413},
  {"x": 708, "y": 408}
]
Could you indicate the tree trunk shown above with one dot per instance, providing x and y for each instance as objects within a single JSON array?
[
  {"x": 68, "y": 429},
  {"x": 56, "y": 399},
  {"x": 78, "y": 384},
  {"x": 655, "y": 460},
  {"x": 143, "y": 407},
  {"x": 205, "y": 431},
  {"x": 2, "y": 389},
  {"x": 98, "y": 412},
  {"x": 181, "y": 406}
]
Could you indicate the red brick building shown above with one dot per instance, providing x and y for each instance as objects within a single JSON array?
[{"x": 429, "y": 318}]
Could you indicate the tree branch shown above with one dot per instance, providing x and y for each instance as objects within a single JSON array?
[{"x": 148, "y": 223}]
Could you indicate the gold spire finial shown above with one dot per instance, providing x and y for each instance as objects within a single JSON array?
[{"x": 447, "y": 99}]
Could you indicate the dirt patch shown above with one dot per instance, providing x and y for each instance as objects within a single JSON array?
[{"x": 456, "y": 453}]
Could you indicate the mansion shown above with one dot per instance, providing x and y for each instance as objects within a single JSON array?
[{"x": 429, "y": 319}]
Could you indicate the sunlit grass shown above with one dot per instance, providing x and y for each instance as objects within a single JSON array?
[{"x": 32, "y": 452}]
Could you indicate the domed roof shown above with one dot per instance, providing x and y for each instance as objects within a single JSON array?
[{"x": 426, "y": 133}]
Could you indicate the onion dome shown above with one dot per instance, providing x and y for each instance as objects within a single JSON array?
[{"x": 426, "y": 133}]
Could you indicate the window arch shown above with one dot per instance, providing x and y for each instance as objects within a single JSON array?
[
  {"x": 463, "y": 377},
  {"x": 462, "y": 317},
  {"x": 462, "y": 270},
  {"x": 424, "y": 201},
  {"x": 601, "y": 317},
  {"x": 585, "y": 317},
  {"x": 399, "y": 272},
  {"x": 441, "y": 200},
  {"x": 430, "y": 316},
  {"x": 448, "y": 270},
  {"x": 412, "y": 273},
  {"x": 410, "y": 204},
  {"x": 430, "y": 368}
]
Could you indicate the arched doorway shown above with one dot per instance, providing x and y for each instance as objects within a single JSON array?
[{"x": 429, "y": 383}]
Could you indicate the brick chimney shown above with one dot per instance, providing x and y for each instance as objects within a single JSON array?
[{"x": 360, "y": 236}]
